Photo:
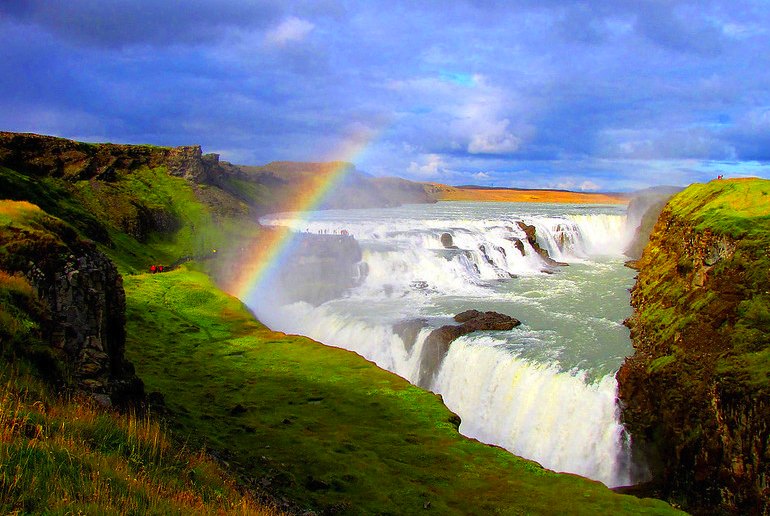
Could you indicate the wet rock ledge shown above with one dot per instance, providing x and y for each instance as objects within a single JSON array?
[{"x": 437, "y": 344}]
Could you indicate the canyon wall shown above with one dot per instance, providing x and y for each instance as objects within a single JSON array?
[
  {"x": 695, "y": 395},
  {"x": 61, "y": 158}
]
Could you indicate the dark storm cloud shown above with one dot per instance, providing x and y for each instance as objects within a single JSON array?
[{"x": 128, "y": 22}]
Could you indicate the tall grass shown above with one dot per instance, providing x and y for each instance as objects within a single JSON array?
[{"x": 61, "y": 454}]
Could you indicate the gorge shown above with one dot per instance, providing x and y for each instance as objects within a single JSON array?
[{"x": 693, "y": 395}]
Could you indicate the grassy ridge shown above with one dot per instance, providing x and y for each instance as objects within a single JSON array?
[
  {"x": 60, "y": 455},
  {"x": 321, "y": 425},
  {"x": 139, "y": 218}
]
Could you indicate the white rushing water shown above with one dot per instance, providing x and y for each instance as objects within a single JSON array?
[{"x": 545, "y": 390}]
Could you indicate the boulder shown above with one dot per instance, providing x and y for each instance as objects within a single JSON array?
[
  {"x": 437, "y": 344},
  {"x": 531, "y": 233},
  {"x": 486, "y": 320},
  {"x": 447, "y": 241}
]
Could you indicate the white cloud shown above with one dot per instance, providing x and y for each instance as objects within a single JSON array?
[
  {"x": 289, "y": 30},
  {"x": 676, "y": 143},
  {"x": 563, "y": 185},
  {"x": 573, "y": 185},
  {"x": 742, "y": 30},
  {"x": 493, "y": 138},
  {"x": 481, "y": 175},
  {"x": 432, "y": 166}
]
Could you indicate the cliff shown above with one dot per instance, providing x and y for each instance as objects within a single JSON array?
[
  {"x": 58, "y": 157},
  {"x": 319, "y": 428},
  {"x": 290, "y": 180},
  {"x": 223, "y": 186},
  {"x": 82, "y": 315},
  {"x": 695, "y": 395}
]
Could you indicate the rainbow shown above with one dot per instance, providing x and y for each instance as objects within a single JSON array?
[{"x": 265, "y": 254}]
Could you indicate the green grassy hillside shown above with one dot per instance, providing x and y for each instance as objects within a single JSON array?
[
  {"x": 738, "y": 210},
  {"x": 60, "y": 452},
  {"x": 61, "y": 455},
  {"x": 322, "y": 426}
]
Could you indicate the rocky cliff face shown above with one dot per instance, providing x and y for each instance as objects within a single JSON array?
[
  {"x": 320, "y": 268},
  {"x": 61, "y": 158},
  {"x": 83, "y": 295},
  {"x": 695, "y": 395}
]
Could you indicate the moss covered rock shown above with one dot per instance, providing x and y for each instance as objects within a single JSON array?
[{"x": 696, "y": 393}]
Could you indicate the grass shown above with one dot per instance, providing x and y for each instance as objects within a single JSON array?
[
  {"x": 62, "y": 455},
  {"x": 322, "y": 426},
  {"x": 120, "y": 215},
  {"x": 735, "y": 207}
]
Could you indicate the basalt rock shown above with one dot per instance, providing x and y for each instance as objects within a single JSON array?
[
  {"x": 518, "y": 244},
  {"x": 58, "y": 157},
  {"x": 437, "y": 344},
  {"x": 321, "y": 268},
  {"x": 447, "y": 241},
  {"x": 85, "y": 301}
]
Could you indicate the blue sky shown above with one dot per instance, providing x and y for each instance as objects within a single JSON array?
[{"x": 603, "y": 95}]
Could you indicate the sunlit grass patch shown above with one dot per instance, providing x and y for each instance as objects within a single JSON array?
[
  {"x": 66, "y": 454},
  {"x": 322, "y": 426}
]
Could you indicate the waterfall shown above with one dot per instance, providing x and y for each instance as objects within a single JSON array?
[
  {"x": 536, "y": 411},
  {"x": 532, "y": 390}
]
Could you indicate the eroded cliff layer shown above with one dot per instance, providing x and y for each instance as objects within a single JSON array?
[{"x": 696, "y": 393}]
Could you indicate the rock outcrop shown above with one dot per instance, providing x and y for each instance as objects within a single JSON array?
[
  {"x": 531, "y": 233},
  {"x": 58, "y": 157},
  {"x": 447, "y": 241},
  {"x": 642, "y": 213},
  {"x": 437, "y": 343},
  {"x": 83, "y": 293},
  {"x": 695, "y": 395}
]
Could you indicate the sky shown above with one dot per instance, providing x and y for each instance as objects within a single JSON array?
[{"x": 606, "y": 95}]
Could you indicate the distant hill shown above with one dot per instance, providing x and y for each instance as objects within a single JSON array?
[
  {"x": 355, "y": 189},
  {"x": 485, "y": 193}
]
